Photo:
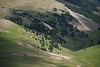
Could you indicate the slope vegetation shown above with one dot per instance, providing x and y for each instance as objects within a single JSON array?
[
  {"x": 19, "y": 50},
  {"x": 38, "y": 5},
  {"x": 85, "y": 24},
  {"x": 88, "y": 8},
  {"x": 44, "y": 37}
]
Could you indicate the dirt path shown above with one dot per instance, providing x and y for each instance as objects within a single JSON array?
[
  {"x": 59, "y": 56},
  {"x": 27, "y": 54},
  {"x": 47, "y": 25},
  {"x": 28, "y": 45}
]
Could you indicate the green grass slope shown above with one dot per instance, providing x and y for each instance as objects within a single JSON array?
[
  {"x": 89, "y": 57},
  {"x": 14, "y": 51},
  {"x": 19, "y": 49}
]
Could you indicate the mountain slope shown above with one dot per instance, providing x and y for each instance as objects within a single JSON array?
[
  {"x": 84, "y": 22},
  {"x": 22, "y": 50},
  {"x": 89, "y": 56},
  {"x": 88, "y": 8},
  {"x": 38, "y": 5},
  {"x": 15, "y": 51},
  {"x": 39, "y": 33},
  {"x": 49, "y": 5}
]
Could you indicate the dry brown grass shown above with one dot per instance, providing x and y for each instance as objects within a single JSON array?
[{"x": 38, "y": 5}]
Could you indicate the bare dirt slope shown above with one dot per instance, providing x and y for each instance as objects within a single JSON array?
[{"x": 84, "y": 23}]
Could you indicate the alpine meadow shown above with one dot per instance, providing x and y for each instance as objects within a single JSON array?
[{"x": 49, "y": 33}]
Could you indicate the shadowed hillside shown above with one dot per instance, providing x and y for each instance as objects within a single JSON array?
[{"x": 19, "y": 50}]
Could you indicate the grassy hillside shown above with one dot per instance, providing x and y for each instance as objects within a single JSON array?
[
  {"x": 32, "y": 34},
  {"x": 58, "y": 27},
  {"x": 13, "y": 39},
  {"x": 52, "y": 6},
  {"x": 89, "y": 56},
  {"x": 87, "y": 8},
  {"x": 18, "y": 49},
  {"x": 38, "y": 5}
]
